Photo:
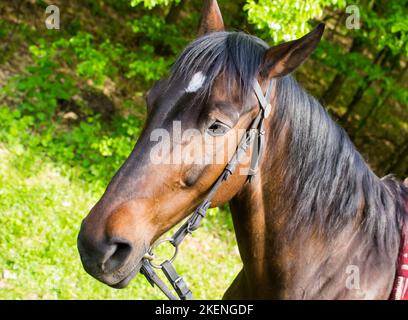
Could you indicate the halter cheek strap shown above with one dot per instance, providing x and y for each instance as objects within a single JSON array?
[
  {"x": 254, "y": 135},
  {"x": 265, "y": 105}
]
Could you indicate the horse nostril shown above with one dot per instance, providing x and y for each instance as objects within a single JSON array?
[{"x": 120, "y": 253}]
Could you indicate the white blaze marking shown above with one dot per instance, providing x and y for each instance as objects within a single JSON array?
[{"x": 196, "y": 82}]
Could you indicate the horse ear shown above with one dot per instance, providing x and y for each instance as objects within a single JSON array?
[
  {"x": 211, "y": 19},
  {"x": 286, "y": 57}
]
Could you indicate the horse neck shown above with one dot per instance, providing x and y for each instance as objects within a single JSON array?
[{"x": 313, "y": 190}]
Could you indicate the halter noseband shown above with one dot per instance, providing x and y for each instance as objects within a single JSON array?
[{"x": 256, "y": 130}]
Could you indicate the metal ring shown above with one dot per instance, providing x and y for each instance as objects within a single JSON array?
[{"x": 154, "y": 246}]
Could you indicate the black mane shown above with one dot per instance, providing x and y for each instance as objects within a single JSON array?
[
  {"x": 327, "y": 177},
  {"x": 235, "y": 54}
]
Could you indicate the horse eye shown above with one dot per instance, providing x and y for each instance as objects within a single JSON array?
[{"x": 218, "y": 129}]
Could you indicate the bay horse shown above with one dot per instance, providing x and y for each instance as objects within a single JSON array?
[{"x": 313, "y": 215}]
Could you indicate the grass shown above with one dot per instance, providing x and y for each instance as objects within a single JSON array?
[{"x": 41, "y": 206}]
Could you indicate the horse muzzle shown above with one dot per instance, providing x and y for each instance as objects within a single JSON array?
[{"x": 113, "y": 261}]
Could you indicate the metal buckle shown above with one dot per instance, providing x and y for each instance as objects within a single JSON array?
[
  {"x": 189, "y": 227},
  {"x": 150, "y": 256},
  {"x": 177, "y": 281}
]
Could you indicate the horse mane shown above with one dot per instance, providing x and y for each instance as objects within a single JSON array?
[
  {"x": 327, "y": 181},
  {"x": 237, "y": 55}
]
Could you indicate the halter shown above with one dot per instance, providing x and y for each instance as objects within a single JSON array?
[{"x": 254, "y": 135}]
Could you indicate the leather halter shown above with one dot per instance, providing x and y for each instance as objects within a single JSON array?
[{"x": 254, "y": 135}]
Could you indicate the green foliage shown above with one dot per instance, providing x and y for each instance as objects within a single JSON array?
[
  {"x": 149, "y": 70},
  {"x": 388, "y": 27},
  {"x": 286, "y": 20},
  {"x": 42, "y": 87},
  {"x": 3, "y": 29},
  {"x": 155, "y": 33},
  {"x": 94, "y": 150},
  {"x": 383, "y": 30},
  {"x": 46, "y": 83},
  {"x": 354, "y": 64},
  {"x": 150, "y": 4},
  {"x": 96, "y": 62}
]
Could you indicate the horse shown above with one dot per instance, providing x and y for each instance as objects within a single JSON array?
[{"x": 315, "y": 222}]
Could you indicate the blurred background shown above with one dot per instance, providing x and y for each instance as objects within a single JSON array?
[{"x": 72, "y": 107}]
